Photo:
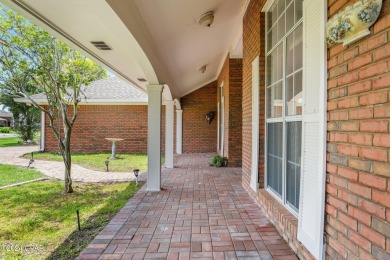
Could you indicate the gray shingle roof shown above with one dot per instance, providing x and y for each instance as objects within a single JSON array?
[
  {"x": 109, "y": 90},
  {"x": 4, "y": 113}
]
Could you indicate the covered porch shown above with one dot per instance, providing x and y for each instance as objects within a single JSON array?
[{"x": 201, "y": 212}]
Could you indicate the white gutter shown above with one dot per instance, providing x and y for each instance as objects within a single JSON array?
[{"x": 143, "y": 101}]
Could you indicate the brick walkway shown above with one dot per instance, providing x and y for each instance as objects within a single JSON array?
[
  {"x": 202, "y": 212},
  {"x": 10, "y": 155}
]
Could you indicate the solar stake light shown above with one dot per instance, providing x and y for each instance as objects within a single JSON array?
[
  {"x": 31, "y": 160},
  {"x": 136, "y": 172},
  {"x": 107, "y": 162}
]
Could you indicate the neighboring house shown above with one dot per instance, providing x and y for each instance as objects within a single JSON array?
[
  {"x": 6, "y": 118},
  {"x": 110, "y": 107},
  {"x": 308, "y": 121}
]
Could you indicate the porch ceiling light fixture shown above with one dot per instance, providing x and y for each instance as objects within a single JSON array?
[
  {"x": 209, "y": 117},
  {"x": 202, "y": 69},
  {"x": 207, "y": 19}
]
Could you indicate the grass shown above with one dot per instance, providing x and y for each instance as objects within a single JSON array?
[
  {"x": 126, "y": 163},
  {"x": 40, "y": 215},
  {"x": 12, "y": 141},
  {"x": 13, "y": 174}
]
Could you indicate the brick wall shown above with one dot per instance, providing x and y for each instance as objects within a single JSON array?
[
  {"x": 235, "y": 112},
  {"x": 94, "y": 123},
  {"x": 358, "y": 170},
  {"x": 198, "y": 135},
  {"x": 231, "y": 78}
]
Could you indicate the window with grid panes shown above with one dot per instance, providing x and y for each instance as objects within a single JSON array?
[{"x": 284, "y": 100}]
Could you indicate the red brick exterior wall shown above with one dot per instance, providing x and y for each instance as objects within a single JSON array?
[
  {"x": 235, "y": 112},
  {"x": 198, "y": 135},
  {"x": 358, "y": 170},
  {"x": 231, "y": 78},
  {"x": 94, "y": 123}
]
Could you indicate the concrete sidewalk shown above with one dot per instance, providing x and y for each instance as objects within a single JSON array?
[{"x": 10, "y": 155}]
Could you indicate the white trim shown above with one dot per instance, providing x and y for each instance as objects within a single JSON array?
[
  {"x": 267, "y": 6},
  {"x": 218, "y": 123},
  {"x": 179, "y": 131},
  {"x": 313, "y": 240},
  {"x": 222, "y": 142},
  {"x": 255, "y": 123},
  {"x": 169, "y": 132},
  {"x": 130, "y": 102},
  {"x": 43, "y": 134}
]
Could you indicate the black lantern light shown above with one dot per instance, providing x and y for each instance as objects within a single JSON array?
[
  {"x": 209, "y": 117},
  {"x": 136, "y": 172},
  {"x": 107, "y": 162}
]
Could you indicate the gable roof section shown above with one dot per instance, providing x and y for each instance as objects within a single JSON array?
[
  {"x": 4, "y": 113},
  {"x": 104, "y": 92}
]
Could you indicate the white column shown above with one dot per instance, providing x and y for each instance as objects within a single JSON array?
[
  {"x": 179, "y": 129},
  {"x": 154, "y": 137},
  {"x": 43, "y": 125},
  {"x": 169, "y": 126}
]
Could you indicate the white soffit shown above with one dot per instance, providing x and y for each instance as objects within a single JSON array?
[
  {"x": 80, "y": 22},
  {"x": 183, "y": 45},
  {"x": 158, "y": 40}
]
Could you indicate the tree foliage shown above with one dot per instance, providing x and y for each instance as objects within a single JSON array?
[{"x": 30, "y": 56}]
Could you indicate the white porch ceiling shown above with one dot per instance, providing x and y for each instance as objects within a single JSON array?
[{"x": 158, "y": 40}]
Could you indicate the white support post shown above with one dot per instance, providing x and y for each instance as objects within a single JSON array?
[
  {"x": 169, "y": 126},
  {"x": 154, "y": 137},
  {"x": 179, "y": 129},
  {"x": 43, "y": 122}
]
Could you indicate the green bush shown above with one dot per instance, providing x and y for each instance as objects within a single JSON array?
[
  {"x": 4, "y": 130},
  {"x": 218, "y": 161}
]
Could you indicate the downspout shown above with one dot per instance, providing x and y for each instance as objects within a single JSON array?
[{"x": 42, "y": 149}]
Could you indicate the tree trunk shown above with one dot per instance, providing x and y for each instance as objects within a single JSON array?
[{"x": 68, "y": 163}]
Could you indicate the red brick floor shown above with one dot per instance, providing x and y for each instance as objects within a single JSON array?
[{"x": 202, "y": 213}]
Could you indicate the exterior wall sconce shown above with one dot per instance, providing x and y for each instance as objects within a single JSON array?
[
  {"x": 209, "y": 117},
  {"x": 353, "y": 23}
]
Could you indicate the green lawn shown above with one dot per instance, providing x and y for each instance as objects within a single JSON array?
[
  {"x": 40, "y": 215},
  {"x": 126, "y": 163},
  {"x": 12, "y": 174},
  {"x": 12, "y": 141}
]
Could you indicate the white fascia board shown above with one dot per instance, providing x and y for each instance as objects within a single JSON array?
[{"x": 131, "y": 102}]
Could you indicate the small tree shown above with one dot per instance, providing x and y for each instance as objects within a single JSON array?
[
  {"x": 26, "y": 117},
  {"x": 29, "y": 55}
]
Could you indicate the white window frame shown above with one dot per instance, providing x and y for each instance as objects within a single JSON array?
[{"x": 284, "y": 119}]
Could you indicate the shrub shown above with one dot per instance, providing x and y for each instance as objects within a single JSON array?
[
  {"x": 4, "y": 130},
  {"x": 218, "y": 161}
]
